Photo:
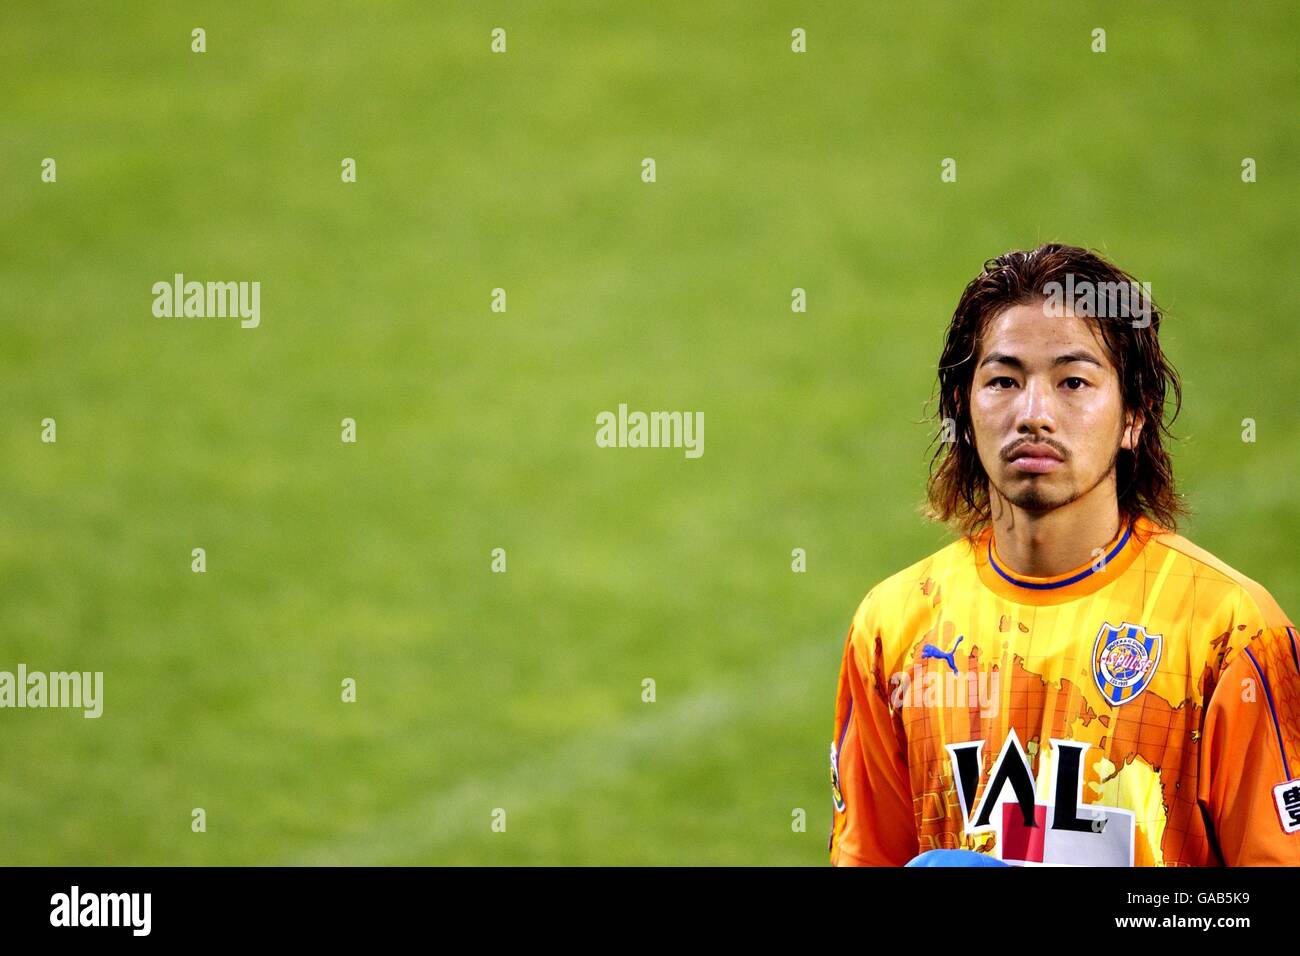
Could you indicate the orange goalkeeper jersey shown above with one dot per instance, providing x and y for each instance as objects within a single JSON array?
[{"x": 1140, "y": 711}]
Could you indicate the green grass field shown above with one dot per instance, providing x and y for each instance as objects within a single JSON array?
[{"x": 475, "y": 429}]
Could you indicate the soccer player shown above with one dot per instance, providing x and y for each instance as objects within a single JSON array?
[{"x": 1069, "y": 682}]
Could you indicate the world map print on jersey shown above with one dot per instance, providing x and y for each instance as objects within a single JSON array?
[{"x": 1125, "y": 767}]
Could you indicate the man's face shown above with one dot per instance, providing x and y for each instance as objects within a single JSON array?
[{"x": 1046, "y": 408}]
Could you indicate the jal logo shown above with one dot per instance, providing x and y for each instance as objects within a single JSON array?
[
  {"x": 1062, "y": 832},
  {"x": 1124, "y": 659}
]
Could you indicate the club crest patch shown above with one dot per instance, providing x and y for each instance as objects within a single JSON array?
[{"x": 1124, "y": 659}]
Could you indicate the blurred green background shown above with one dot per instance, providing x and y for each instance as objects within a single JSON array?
[{"x": 476, "y": 429}]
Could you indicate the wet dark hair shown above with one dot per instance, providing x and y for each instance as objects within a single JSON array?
[{"x": 958, "y": 489}]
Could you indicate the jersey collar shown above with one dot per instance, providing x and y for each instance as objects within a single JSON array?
[{"x": 1121, "y": 552}]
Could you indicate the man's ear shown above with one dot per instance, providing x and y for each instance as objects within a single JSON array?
[{"x": 1133, "y": 422}]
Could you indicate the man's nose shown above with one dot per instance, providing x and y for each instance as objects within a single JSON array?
[{"x": 1036, "y": 413}]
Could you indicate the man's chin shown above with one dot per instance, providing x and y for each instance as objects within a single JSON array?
[
  {"x": 1037, "y": 504},
  {"x": 1035, "y": 495}
]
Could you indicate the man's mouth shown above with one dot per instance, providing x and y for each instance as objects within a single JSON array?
[{"x": 1036, "y": 459}]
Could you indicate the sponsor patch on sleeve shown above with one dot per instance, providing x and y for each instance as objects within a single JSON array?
[{"x": 1287, "y": 797}]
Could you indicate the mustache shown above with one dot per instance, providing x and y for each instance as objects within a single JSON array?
[{"x": 1010, "y": 451}]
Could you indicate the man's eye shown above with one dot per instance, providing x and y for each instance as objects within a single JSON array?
[
  {"x": 1074, "y": 383},
  {"x": 1002, "y": 382}
]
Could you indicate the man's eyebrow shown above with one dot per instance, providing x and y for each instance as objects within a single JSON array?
[
  {"x": 1080, "y": 356},
  {"x": 1002, "y": 358}
]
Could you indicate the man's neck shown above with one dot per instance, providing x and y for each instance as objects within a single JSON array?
[{"x": 1042, "y": 544}]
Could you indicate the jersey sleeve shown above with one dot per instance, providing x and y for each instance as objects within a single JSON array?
[
  {"x": 1249, "y": 776},
  {"x": 874, "y": 824}
]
